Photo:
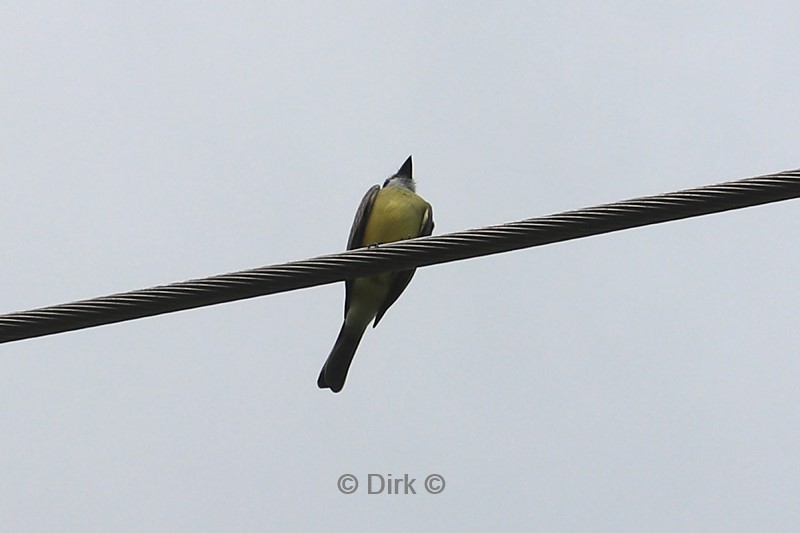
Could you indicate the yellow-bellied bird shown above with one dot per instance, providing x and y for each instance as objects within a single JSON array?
[{"x": 387, "y": 214}]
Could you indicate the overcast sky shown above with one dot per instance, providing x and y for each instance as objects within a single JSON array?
[{"x": 645, "y": 380}]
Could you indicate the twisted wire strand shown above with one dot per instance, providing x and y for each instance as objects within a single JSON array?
[{"x": 400, "y": 256}]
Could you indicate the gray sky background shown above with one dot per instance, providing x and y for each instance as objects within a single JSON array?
[{"x": 646, "y": 380}]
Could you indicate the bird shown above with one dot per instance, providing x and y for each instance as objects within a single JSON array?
[{"x": 386, "y": 214}]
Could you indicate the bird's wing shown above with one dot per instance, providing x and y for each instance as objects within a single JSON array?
[
  {"x": 402, "y": 279},
  {"x": 357, "y": 234},
  {"x": 360, "y": 221},
  {"x": 427, "y": 223}
]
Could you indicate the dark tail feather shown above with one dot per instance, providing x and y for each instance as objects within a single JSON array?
[{"x": 334, "y": 371}]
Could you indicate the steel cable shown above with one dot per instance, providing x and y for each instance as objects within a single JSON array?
[{"x": 400, "y": 256}]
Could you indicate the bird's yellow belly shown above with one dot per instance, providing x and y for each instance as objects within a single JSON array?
[{"x": 396, "y": 215}]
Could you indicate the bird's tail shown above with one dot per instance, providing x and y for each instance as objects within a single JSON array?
[{"x": 334, "y": 371}]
